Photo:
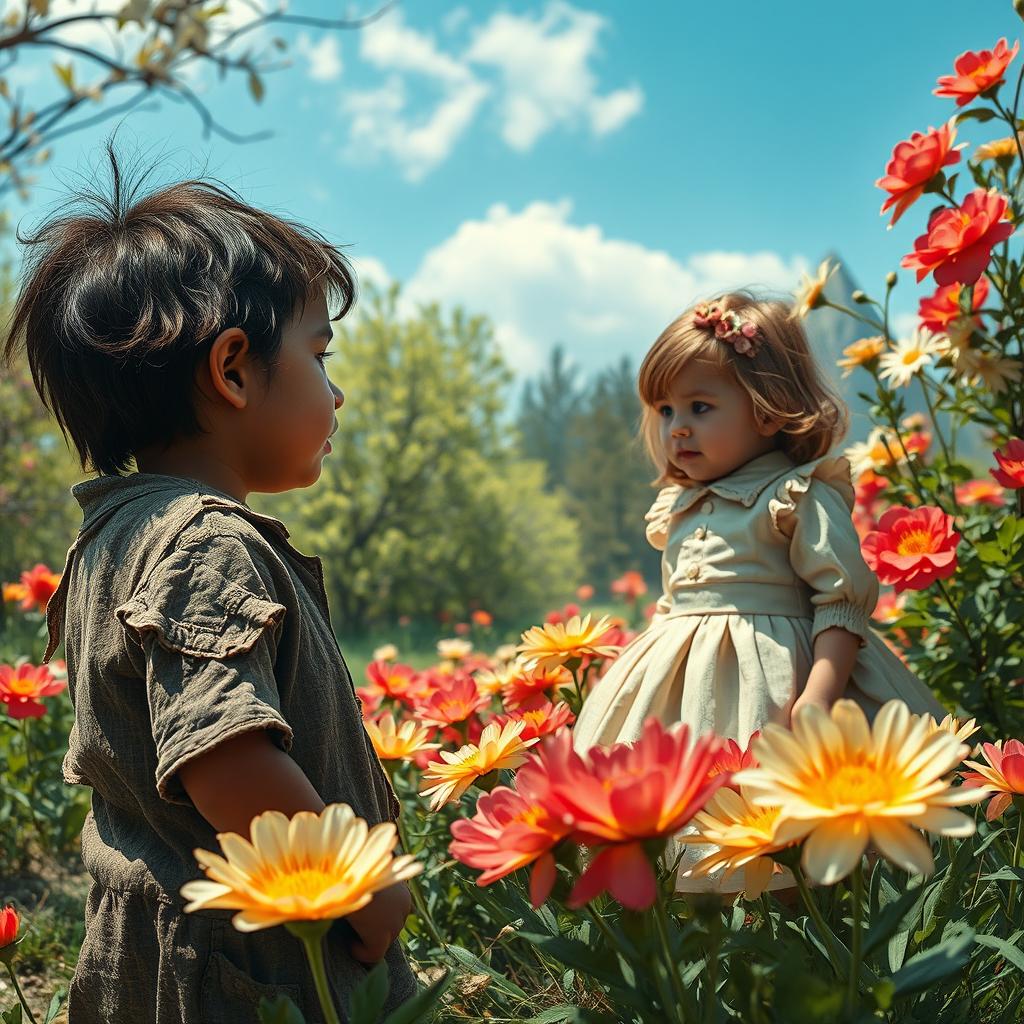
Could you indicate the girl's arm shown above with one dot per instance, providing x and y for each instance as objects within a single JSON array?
[{"x": 835, "y": 652}]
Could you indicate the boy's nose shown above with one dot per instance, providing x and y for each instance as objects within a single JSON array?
[{"x": 339, "y": 398}]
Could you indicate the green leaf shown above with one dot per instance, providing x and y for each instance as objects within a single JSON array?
[
  {"x": 369, "y": 996},
  {"x": 55, "y": 1003},
  {"x": 13, "y": 1015},
  {"x": 280, "y": 1010},
  {"x": 894, "y": 917},
  {"x": 1011, "y": 951},
  {"x": 976, "y": 114},
  {"x": 420, "y": 1007},
  {"x": 1005, "y": 874},
  {"x": 925, "y": 968},
  {"x": 473, "y": 963},
  {"x": 66, "y": 73}
]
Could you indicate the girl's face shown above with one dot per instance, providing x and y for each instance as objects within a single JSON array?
[{"x": 707, "y": 424}]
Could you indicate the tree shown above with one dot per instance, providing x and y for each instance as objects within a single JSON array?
[
  {"x": 546, "y": 410},
  {"x": 425, "y": 507},
  {"x": 608, "y": 479},
  {"x": 152, "y": 49}
]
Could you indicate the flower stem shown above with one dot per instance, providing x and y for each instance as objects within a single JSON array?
[
  {"x": 314, "y": 945},
  {"x": 1016, "y": 856},
  {"x": 853, "y": 985},
  {"x": 978, "y": 654},
  {"x": 812, "y": 908},
  {"x": 661, "y": 918},
  {"x": 19, "y": 994},
  {"x": 417, "y": 893},
  {"x": 31, "y": 778},
  {"x": 767, "y": 911}
]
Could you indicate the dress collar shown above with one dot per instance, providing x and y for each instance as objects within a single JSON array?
[{"x": 742, "y": 485}]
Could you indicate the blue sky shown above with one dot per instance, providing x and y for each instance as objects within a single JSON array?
[{"x": 580, "y": 172}]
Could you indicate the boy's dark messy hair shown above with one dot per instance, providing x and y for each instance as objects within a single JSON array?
[{"x": 122, "y": 295}]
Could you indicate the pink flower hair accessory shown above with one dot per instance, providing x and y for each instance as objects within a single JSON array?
[{"x": 744, "y": 336}]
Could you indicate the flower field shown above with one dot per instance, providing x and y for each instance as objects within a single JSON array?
[{"x": 868, "y": 870}]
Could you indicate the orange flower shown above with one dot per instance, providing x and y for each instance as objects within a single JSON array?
[
  {"x": 398, "y": 743},
  {"x": 938, "y": 311},
  {"x": 511, "y": 829},
  {"x": 979, "y": 492},
  {"x": 621, "y": 797},
  {"x": 392, "y": 679},
  {"x": 454, "y": 703},
  {"x": 996, "y": 149},
  {"x": 21, "y": 688},
  {"x": 585, "y": 592},
  {"x": 914, "y": 163},
  {"x": 1004, "y": 774},
  {"x": 976, "y": 71},
  {"x": 912, "y": 547},
  {"x": 1011, "y": 464},
  {"x": 8, "y": 926},
  {"x": 540, "y": 721},
  {"x": 869, "y": 486},
  {"x": 555, "y": 644},
  {"x": 630, "y": 585},
  {"x": 482, "y": 618},
  {"x": 889, "y": 607},
  {"x": 530, "y": 686},
  {"x": 861, "y": 353},
  {"x": 36, "y": 588},
  {"x": 958, "y": 243}
]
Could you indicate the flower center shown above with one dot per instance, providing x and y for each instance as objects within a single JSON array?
[
  {"x": 857, "y": 784},
  {"x": 23, "y": 686},
  {"x": 911, "y": 356},
  {"x": 915, "y": 542},
  {"x": 307, "y": 882}
]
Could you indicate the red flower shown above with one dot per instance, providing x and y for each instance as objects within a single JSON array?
[
  {"x": 482, "y": 618},
  {"x": 454, "y": 704},
  {"x": 21, "y": 688},
  {"x": 630, "y": 585},
  {"x": 979, "y": 492},
  {"x": 8, "y": 926},
  {"x": 1011, "y": 464},
  {"x": 1003, "y": 775},
  {"x": 36, "y": 588},
  {"x": 541, "y": 720},
  {"x": 869, "y": 486},
  {"x": 912, "y": 547},
  {"x": 914, "y": 162},
  {"x": 959, "y": 241},
  {"x": 585, "y": 592},
  {"x": 734, "y": 758},
  {"x": 620, "y": 797},
  {"x": 938, "y": 311},
  {"x": 977, "y": 71},
  {"x": 395, "y": 680}
]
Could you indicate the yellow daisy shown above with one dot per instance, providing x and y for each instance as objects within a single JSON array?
[
  {"x": 556, "y": 643},
  {"x": 744, "y": 836},
  {"x": 398, "y": 743},
  {"x": 879, "y": 451},
  {"x": 953, "y": 727},
  {"x": 453, "y": 649},
  {"x": 860, "y": 353},
  {"x": 313, "y": 867},
  {"x": 387, "y": 652},
  {"x": 500, "y": 746},
  {"x": 808, "y": 295},
  {"x": 995, "y": 149},
  {"x": 840, "y": 783}
]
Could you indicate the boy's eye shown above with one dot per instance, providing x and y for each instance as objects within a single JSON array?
[{"x": 324, "y": 355}]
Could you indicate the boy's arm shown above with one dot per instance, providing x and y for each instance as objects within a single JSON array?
[{"x": 243, "y": 776}]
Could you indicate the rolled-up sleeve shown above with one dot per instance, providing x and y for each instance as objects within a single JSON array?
[
  {"x": 209, "y": 644},
  {"x": 825, "y": 554}
]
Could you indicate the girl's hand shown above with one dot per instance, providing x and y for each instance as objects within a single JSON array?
[{"x": 806, "y": 699}]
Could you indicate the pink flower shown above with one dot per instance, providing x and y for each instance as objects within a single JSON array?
[
  {"x": 1003, "y": 774},
  {"x": 21, "y": 688},
  {"x": 1011, "y": 464}
]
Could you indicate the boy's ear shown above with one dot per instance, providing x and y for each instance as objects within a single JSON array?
[
  {"x": 767, "y": 427},
  {"x": 230, "y": 367}
]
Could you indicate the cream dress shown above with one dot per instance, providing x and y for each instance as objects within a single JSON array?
[{"x": 754, "y": 566}]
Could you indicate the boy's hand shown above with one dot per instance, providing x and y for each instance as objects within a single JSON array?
[{"x": 380, "y": 922}]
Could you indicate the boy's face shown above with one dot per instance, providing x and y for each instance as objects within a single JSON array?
[{"x": 289, "y": 425}]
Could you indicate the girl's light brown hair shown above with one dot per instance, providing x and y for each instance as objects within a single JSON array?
[{"x": 783, "y": 381}]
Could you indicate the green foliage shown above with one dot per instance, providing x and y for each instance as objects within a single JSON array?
[{"x": 424, "y": 506}]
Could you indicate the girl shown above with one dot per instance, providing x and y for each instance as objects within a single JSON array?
[
  {"x": 184, "y": 333},
  {"x": 767, "y": 600}
]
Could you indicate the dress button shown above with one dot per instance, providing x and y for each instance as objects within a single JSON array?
[
  {"x": 700, "y": 533},
  {"x": 693, "y": 572},
  {"x": 707, "y": 508}
]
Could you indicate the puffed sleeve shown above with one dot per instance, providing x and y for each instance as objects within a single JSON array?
[
  {"x": 659, "y": 516},
  {"x": 812, "y": 507},
  {"x": 203, "y": 628}
]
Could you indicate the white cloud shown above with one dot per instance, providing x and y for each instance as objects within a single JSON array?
[
  {"x": 544, "y": 280},
  {"x": 545, "y": 67},
  {"x": 537, "y": 67},
  {"x": 324, "y": 57},
  {"x": 370, "y": 271}
]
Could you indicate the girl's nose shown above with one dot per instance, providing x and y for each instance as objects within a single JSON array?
[
  {"x": 681, "y": 432},
  {"x": 339, "y": 398}
]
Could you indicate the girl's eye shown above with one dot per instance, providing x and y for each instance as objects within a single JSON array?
[
  {"x": 665, "y": 411},
  {"x": 324, "y": 355},
  {"x": 703, "y": 406}
]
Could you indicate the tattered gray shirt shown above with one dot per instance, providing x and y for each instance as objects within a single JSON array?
[{"x": 188, "y": 618}]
